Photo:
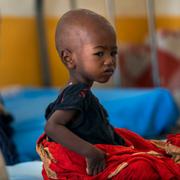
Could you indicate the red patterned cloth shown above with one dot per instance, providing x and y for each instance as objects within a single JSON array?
[
  {"x": 139, "y": 159},
  {"x": 174, "y": 139}
]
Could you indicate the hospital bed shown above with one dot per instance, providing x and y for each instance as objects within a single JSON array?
[{"x": 148, "y": 112}]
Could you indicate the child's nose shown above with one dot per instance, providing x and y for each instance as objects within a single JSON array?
[{"x": 109, "y": 61}]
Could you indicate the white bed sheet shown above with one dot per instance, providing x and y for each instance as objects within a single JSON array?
[{"x": 25, "y": 171}]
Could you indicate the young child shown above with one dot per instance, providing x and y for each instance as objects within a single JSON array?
[{"x": 79, "y": 143}]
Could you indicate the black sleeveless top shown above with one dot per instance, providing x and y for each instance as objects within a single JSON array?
[{"x": 92, "y": 123}]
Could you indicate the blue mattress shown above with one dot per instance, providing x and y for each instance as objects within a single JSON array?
[{"x": 149, "y": 113}]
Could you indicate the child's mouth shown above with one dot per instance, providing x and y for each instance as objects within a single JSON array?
[{"x": 109, "y": 71}]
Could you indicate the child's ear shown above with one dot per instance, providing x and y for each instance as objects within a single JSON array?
[{"x": 67, "y": 58}]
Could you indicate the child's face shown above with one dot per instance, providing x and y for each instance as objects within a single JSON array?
[{"x": 96, "y": 57}]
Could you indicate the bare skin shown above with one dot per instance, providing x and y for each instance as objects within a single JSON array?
[
  {"x": 1, "y": 108},
  {"x": 86, "y": 43}
]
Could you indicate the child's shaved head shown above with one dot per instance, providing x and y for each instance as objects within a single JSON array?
[{"x": 75, "y": 26}]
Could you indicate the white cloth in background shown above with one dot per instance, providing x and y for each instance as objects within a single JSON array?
[{"x": 25, "y": 171}]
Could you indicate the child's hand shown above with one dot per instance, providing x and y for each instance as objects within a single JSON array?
[{"x": 96, "y": 162}]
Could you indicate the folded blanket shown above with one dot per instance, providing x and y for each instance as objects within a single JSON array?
[{"x": 139, "y": 159}]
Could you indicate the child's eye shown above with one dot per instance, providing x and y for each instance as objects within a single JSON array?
[
  {"x": 100, "y": 54},
  {"x": 113, "y": 53}
]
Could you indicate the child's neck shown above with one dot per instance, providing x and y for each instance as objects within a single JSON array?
[{"x": 73, "y": 81}]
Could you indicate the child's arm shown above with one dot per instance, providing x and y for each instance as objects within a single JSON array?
[{"x": 56, "y": 129}]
